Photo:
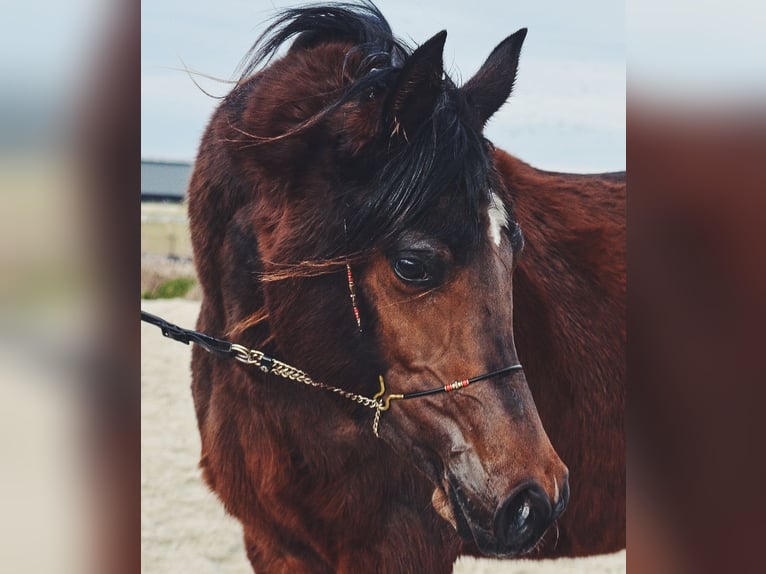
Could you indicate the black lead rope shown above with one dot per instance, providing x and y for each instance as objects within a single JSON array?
[{"x": 187, "y": 336}]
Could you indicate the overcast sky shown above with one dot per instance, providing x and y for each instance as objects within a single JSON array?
[{"x": 567, "y": 111}]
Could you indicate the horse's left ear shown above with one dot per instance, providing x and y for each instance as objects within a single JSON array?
[
  {"x": 417, "y": 87},
  {"x": 492, "y": 84}
]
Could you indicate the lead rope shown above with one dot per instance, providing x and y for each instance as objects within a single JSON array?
[{"x": 269, "y": 365}]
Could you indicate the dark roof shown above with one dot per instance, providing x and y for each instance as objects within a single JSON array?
[{"x": 164, "y": 180}]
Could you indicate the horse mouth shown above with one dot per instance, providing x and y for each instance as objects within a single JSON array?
[{"x": 505, "y": 537}]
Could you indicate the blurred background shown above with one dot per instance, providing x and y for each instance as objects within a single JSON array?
[
  {"x": 90, "y": 88},
  {"x": 566, "y": 113}
]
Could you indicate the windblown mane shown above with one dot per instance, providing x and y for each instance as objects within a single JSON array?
[
  {"x": 433, "y": 180},
  {"x": 360, "y": 24}
]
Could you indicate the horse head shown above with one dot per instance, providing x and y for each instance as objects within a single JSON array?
[
  {"x": 369, "y": 154},
  {"x": 441, "y": 296}
]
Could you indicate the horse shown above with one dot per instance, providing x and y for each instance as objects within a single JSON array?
[{"x": 355, "y": 232}]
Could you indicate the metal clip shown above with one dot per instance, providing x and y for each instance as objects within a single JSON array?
[{"x": 385, "y": 402}]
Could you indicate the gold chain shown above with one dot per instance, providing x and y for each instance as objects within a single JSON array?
[
  {"x": 380, "y": 402},
  {"x": 255, "y": 357}
]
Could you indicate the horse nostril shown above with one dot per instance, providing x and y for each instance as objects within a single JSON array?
[{"x": 523, "y": 518}]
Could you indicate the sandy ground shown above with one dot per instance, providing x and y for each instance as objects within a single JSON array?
[{"x": 184, "y": 528}]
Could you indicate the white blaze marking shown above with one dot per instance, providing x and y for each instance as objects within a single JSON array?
[
  {"x": 498, "y": 218},
  {"x": 556, "y": 490}
]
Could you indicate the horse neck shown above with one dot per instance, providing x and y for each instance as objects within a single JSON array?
[{"x": 569, "y": 289}]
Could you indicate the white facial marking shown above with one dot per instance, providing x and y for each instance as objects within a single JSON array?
[
  {"x": 556, "y": 490},
  {"x": 498, "y": 218}
]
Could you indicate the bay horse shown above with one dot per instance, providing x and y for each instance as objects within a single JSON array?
[{"x": 349, "y": 218}]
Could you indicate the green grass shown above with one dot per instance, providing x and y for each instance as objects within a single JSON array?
[{"x": 171, "y": 288}]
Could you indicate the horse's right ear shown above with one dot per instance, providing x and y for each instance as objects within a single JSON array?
[
  {"x": 492, "y": 84},
  {"x": 417, "y": 87}
]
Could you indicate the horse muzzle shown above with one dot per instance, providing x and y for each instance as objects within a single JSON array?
[{"x": 519, "y": 521}]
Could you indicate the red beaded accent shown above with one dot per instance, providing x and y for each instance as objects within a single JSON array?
[
  {"x": 456, "y": 385},
  {"x": 352, "y": 293}
]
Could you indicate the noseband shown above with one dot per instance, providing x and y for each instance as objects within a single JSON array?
[
  {"x": 453, "y": 386},
  {"x": 385, "y": 400},
  {"x": 380, "y": 402}
]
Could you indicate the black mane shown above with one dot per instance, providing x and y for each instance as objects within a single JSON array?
[
  {"x": 361, "y": 24},
  {"x": 434, "y": 183},
  {"x": 436, "y": 180}
]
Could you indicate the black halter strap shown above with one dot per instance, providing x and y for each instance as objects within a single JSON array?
[
  {"x": 462, "y": 383},
  {"x": 187, "y": 336}
]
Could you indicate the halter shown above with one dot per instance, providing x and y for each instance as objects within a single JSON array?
[
  {"x": 269, "y": 365},
  {"x": 453, "y": 386}
]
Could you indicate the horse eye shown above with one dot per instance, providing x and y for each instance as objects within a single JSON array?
[{"x": 412, "y": 270}]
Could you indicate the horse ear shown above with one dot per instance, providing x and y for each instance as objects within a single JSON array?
[
  {"x": 417, "y": 87},
  {"x": 492, "y": 84}
]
